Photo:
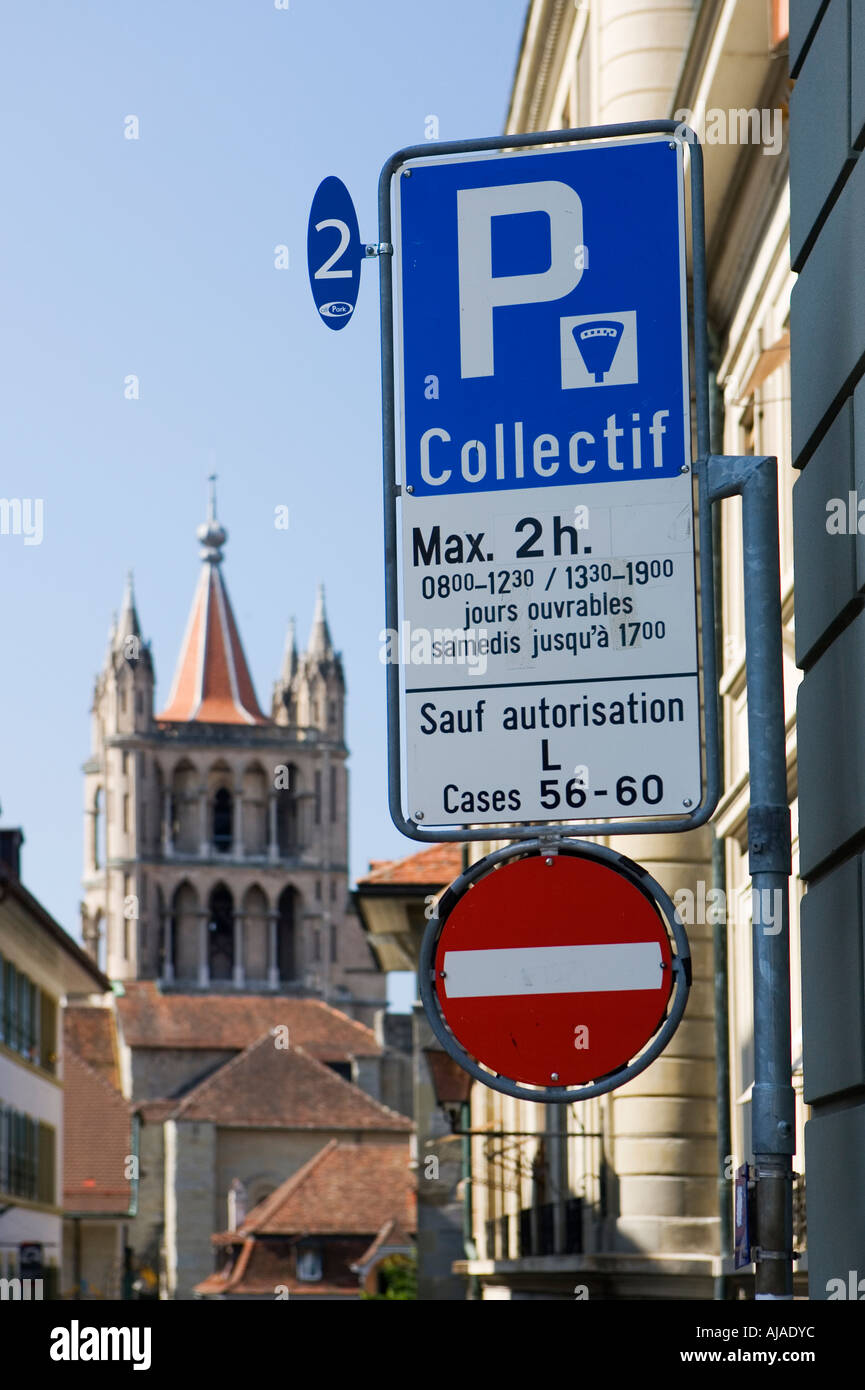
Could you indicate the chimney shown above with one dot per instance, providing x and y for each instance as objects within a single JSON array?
[
  {"x": 236, "y": 1204},
  {"x": 10, "y": 852}
]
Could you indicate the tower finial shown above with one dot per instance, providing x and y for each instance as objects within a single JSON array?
[{"x": 211, "y": 534}]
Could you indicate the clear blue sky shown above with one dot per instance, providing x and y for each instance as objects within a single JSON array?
[{"x": 156, "y": 257}]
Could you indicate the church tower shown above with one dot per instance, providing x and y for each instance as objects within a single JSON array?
[{"x": 216, "y": 837}]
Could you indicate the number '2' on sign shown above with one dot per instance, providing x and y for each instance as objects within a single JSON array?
[{"x": 334, "y": 253}]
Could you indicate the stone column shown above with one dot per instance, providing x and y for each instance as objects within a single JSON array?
[
  {"x": 237, "y": 823},
  {"x": 238, "y": 971},
  {"x": 272, "y": 962},
  {"x": 89, "y": 932},
  {"x": 203, "y": 945},
  {"x": 272, "y": 842},
  {"x": 167, "y": 837},
  {"x": 661, "y": 1126},
  {"x": 204, "y": 829}
]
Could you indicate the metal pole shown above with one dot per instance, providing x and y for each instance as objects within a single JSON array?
[
  {"x": 722, "y": 1063},
  {"x": 719, "y": 881},
  {"x": 772, "y": 1104}
]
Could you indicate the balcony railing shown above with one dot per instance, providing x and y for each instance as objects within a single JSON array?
[{"x": 532, "y": 1232}]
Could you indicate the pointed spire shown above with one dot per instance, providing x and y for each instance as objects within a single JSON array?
[
  {"x": 212, "y": 683},
  {"x": 289, "y": 658},
  {"x": 128, "y": 626},
  {"x": 320, "y": 645}
]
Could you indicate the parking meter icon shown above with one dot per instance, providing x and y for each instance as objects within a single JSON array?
[{"x": 598, "y": 343}]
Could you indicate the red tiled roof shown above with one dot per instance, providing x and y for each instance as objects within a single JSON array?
[
  {"x": 212, "y": 683},
  {"x": 231, "y": 1022},
  {"x": 153, "y": 1112},
  {"x": 271, "y": 1087},
  {"x": 97, "y": 1140},
  {"x": 92, "y": 1034},
  {"x": 440, "y": 864},
  {"x": 345, "y": 1189},
  {"x": 351, "y": 1191}
]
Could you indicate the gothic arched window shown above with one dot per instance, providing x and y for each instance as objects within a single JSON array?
[
  {"x": 285, "y": 935},
  {"x": 99, "y": 829},
  {"x": 223, "y": 833},
  {"x": 220, "y": 946},
  {"x": 183, "y": 945},
  {"x": 185, "y": 823},
  {"x": 287, "y": 830}
]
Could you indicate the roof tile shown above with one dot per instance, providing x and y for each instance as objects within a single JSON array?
[
  {"x": 346, "y": 1189},
  {"x": 91, "y": 1032},
  {"x": 96, "y": 1140},
  {"x": 212, "y": 683},
  {"x": 149, "y": 1018},
  {"x": 271, "y": 1087},
  {"x": 440, "y": 864}
]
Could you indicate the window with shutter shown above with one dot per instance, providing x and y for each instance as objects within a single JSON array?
[
  {"x": 46, "y": 1169},
  {"x": 11, "y": 1005},
  {"x": 48, "y": 1032}
]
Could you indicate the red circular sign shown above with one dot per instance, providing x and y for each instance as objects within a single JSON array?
[{"x": 554, "y": 970}]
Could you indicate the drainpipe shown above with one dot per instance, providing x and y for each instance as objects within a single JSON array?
[
  {"x": 128, "y": 1279},
  {"x": 76, "y": 1267},
  {"x": 473, "y": 1291},
  {"x": 471, "y": 1251},
  {"x": 719, "y": 876}
]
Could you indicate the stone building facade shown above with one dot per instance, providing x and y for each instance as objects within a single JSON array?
[
  {"x": 629, "y": 1195},
  {"x": 216, "y": 836},
  {"x": 827, "y": 326},
  {"x": 615, "y": 1197},
  {"x": 41, "y": 967}
]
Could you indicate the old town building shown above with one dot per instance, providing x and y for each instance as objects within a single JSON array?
[
  {"x": 237, "y": 1039},
  {"x": 216, "y": 839},
  {"x": 41, "y": 967}
]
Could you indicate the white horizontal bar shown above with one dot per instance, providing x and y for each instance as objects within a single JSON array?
[{"x": 553, "y": 970}]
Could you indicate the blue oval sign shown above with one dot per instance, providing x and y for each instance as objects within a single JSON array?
[{"x": 334, "y": 252}]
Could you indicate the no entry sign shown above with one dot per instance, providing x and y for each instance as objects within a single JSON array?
[{"x": 554, "y": 969}]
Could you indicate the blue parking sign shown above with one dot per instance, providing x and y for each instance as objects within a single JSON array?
[
  {"x": 541, "y": 302},
  {"x": 547, "y": 634}
]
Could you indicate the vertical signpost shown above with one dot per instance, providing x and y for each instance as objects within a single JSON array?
[{"x": 545, "y": 666}]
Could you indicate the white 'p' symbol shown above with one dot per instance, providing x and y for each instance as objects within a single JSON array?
[{"x": 480, "y": 292}]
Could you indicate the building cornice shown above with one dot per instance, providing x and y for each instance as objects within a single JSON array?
[
  {"x": 540, "y": 40},
  {"x": 706, "y": 22},
  {"x": 11, "y": 887},
  {"x": 197, "y": 735}
]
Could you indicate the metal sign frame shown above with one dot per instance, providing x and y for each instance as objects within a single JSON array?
[
  {"x": 635, "y": 875},
  {"x": 706, "y": 640}
]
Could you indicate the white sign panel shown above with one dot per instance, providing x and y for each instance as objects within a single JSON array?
[{"x": 547, "y": 637}]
